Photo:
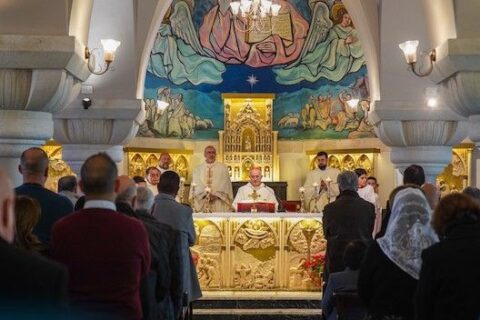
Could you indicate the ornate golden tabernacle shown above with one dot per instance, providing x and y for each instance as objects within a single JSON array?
[
  {"x": 348, "y": 159},
  {"x": 257, "y": 252},
  {"x": 455, "y": 177},
  {"x": 57, "y": 168},
  {"x": 139, "y": 159},
  {"x": 248, "y": 139}
]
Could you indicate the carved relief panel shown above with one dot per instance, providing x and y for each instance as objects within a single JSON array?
[
  {"x": 348, "y": 159},
  {"x": 57, "y": 168},
  {"x": 455, "y": 176}
]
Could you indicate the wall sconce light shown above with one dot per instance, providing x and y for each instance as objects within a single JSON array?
[
  {"x": 162, "y": 105},
  {"x": 86, "y": 102},
  {"x": 109, "y": 48},
  {"x": 409, "y": 49}
]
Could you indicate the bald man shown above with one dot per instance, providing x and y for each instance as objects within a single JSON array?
[
  {"x": 29, "y": 284},
  {"x": 255, "y": 190},
  {"x": 211, "y": 181},
  {"x": 34, "y": 169}
]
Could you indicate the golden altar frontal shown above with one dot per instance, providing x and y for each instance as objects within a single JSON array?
[{"x": 257, "y": 251}]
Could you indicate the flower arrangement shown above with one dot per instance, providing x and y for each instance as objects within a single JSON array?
[{"x": 315, "y": 266}]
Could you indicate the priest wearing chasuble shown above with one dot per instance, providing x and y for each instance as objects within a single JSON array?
[
  {"x": 321, "y": 185},
  {"x": 255, "y": 191},
  {"x": 211, "y": 183}
]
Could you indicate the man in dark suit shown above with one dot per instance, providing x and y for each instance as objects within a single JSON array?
[
  {"x": 178, "y": 216},
  {"x": 348, "y": 218},
  {"x": 34, "y": 169},
  {"x": 107, "y": 253},
  {"x": 30, "y": 286}
]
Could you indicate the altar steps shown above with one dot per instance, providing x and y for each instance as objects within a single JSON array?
[{"x": 258, "y": 306}]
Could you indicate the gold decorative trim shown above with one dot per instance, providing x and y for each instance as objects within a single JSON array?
[
  {"x": 248, "y": 95},
  {"x": 157, "y": 150},
  {"x": 344, "y": 151}
]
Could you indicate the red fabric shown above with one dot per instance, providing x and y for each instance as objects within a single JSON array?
[{"x": 107, "y": 253}]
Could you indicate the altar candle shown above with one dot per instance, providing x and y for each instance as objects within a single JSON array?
[
  {"x": 328, "y": 180},
  {"x": 208, "y": 190},
  {"x": 301, "y": 190},
  {"x": 193, "y": 184},
  {"x": 182, "y": 180},
  {"x": 315, "y": 185}
]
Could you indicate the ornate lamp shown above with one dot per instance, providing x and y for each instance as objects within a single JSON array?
[
  {"x": 409, "y": 49},
  {"x": 109, "y": 48}
]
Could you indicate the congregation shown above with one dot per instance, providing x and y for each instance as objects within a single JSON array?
[{"x": 121, "y": 250}]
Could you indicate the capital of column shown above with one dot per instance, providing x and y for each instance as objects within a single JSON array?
[
  {"x": 105, "y": 127},
  {"x": 418, "y": 134}
]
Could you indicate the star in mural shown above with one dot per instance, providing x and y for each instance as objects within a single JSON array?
[{"x": 252, "y": 80}]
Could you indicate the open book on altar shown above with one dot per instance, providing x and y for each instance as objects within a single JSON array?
[
  {"x": 280, "y": 25},
  {"x": 256, "y": 207}
]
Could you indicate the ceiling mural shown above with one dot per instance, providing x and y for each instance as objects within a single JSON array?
[{"x": 308, "y": 55}]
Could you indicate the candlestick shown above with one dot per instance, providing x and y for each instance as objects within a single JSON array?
[
  {"x": 302, "y": 199},
  {"x": 181, "y": 190},
  {"x": 193, "y": 185}
]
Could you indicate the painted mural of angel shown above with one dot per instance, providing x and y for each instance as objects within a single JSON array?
[
  {"x": 329, "y": 52},
  {"x": 177, "y": 54}
]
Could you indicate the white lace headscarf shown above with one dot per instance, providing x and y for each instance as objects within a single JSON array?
[{"x": 408, "y": 231}]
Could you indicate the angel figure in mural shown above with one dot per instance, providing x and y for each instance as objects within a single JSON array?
[
  {"x": 224, "y": 34},
  {"x": 177, "y": 54},
  {"x": 329, "y": 52}
]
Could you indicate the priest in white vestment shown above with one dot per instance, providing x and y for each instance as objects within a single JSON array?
[
  {"x": 153, "y": 178},
  {"x": 321, "y": 185},
  {"x": 255, "y": 190},
  {"x": 164, "y": 162},
  {"x": 211, "y": 180}
]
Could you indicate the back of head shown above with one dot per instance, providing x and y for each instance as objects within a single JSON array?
[
  {"x": 393, "y": 193},
  {"x": 414, "y": 174},
  {"x": 353, "y": 254},
  {"x": 472, "y": 192},
  {"x": 169, "y": 183},
  {"x": 98, "y": 175},
  {"x": 27, "y": 214},
  {"x": 347, "y": 180},
  {"x": 34, "y": 162},
  {"x": 139, "y": 179},
  {"x": 67, "y": 183},
  {"x": 127, "y": 190},
  {"x": 453, "y": 210},
  {"x": 145, "y": 199}
]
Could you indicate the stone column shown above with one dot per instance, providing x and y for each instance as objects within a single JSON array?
[
  {"x": 419, "y": 135},
  {"x": 105, "y": 127},
  {"x": 39, "y": 75}
]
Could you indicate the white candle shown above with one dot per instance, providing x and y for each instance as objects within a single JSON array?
[
  {"x": 328, "y": 180},
  {"x": 193, "y": 184},
  {"x": 315, "y": 185},
  {"x": 182, "y": 180},
  {"x": 301, "y": 190},
  {"x": 208, "y": 190}
]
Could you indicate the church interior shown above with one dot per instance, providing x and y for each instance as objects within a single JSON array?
[{"x": 268, "y": 84}]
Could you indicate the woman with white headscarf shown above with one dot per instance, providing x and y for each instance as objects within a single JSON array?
[{"x": 390, "y": 272}]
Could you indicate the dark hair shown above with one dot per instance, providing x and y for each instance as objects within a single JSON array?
[
  {"x": 139, "y": 179},
  {"x": 27, "y": 214},
  {"x": 34, "y": 163},
  {"x": 67, "y": 183},
  {"x": 372, "y": 178},
  {"x": 360, "y": 171},
  {"x": 455, "y": 209},
  {"x": 169, "y": 183},
  {"x": 472, "y": 192},
  {"x": 322, "y": 153},
  {"x": 414, "y": 174},
  {"x": 354, "y": 253},
  {"x": 150, "y": 169},
  {"x": 80, "y": 203},
  {"x": 99, "y": 173}
]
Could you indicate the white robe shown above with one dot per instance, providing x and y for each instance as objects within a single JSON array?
[
  {"x": 324, "y": 196},
  {"x": 368, "y": 193},
  {"x": 264, "y": 194},
  {"x": 219, "y": 183}
]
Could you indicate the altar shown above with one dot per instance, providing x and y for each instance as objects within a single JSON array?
[{"x": 260, "y": 251}]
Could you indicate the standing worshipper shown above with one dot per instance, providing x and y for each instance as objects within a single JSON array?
[
  {"x": 106, "y": 252},
  {"x": 389, "y": 273},
  {"x": 321, "y": 185},
  {"x": 255, "y": 190},
  {"x": 153, "y": 177},
  {"x": 34, "y": 169},
  {"x": 346, "y": 219},
  {"x": 31, "y": 287},
  {"x": 178, "y": 216},
  {"x": 27, "y": 215},
  {"x": 67, "y": 187},
  {"x": 450, "y": 274},
  {"x": 211, "y": 182},
  {"x": 367, "y": 192}
]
